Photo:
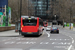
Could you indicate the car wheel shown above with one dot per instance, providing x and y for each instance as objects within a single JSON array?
[
  {"x": 24, "y": 35},
  {"x": 50, "y": 32},
  {"x": 58, "y": 32}
]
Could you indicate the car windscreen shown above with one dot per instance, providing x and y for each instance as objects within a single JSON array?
[
  {"x": 29, "y": 22},
  {"x": 54, "y": 28}
]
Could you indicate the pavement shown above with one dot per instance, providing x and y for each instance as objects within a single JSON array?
[
  {"x": 9, "y": 33},
  {"x": 73, "y": 29}
]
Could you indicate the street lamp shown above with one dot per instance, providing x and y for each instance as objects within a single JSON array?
[
  {"x": 71, "y": 12},
  {"x": 20, "y": 8},
  {"x": 55, "y": 16}
]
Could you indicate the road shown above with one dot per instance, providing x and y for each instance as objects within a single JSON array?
[{"x": 9, "y": 40}]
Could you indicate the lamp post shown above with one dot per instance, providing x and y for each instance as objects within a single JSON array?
[
  {"x": 71, "y": 12},
  {"x": 55, "y": 17},
  {"x": 20, "y": 9},
  {"x": 7, "y": 14},
  {"x": 28, "y": 7}
]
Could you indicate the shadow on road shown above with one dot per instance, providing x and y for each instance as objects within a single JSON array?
[
  {"x": 11, "y": 36},
  {"x": 27, "y": 36}
]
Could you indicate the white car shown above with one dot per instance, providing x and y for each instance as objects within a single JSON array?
[{"x": 48, "y": 28}]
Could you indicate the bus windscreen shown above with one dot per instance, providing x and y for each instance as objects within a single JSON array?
[{"x": 31, "y": 22}]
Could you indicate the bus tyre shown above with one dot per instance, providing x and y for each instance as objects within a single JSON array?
[
  {"x": 40, "y": 34},
  {"x": 51, "y": 32},
  {"x": 24, "y": 35}
]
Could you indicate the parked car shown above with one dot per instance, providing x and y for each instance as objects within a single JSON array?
[
  {"x": 48, "y": 28},
  {"x": 54, "y": 30}
]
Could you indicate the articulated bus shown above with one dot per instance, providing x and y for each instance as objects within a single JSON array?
[
  {"x": 31, "y": 26},
  {"x": 45, "y": 24}
]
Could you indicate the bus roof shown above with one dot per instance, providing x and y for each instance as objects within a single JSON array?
[
  {"x": 24, "y": 16},
  {"x": 28, "y": 17}
]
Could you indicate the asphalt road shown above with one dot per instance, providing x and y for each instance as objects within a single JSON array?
[{"x": 9, "y": 40}]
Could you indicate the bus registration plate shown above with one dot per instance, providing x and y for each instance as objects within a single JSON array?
[
  {"x": 54, "y": 30},
  {"x": 29, "y": 32}
]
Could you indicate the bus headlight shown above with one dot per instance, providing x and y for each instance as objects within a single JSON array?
[{"x": 22, "y": 25}]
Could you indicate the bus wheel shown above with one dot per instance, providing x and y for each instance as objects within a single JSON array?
[
  {"x": 40, "y": 34},
  {"x": 24, "y": 35}
]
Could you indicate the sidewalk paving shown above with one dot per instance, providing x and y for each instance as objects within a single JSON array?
[
  {"x": 69, "y": 28},
  {"x": 9, "y": 33}
]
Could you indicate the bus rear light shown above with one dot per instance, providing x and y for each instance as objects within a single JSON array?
[
  {"x": 57, "y": 29},
  {"x": 21, "y": 28},
  {"x": 23, "y": 18},
  {"x": 35, "y": 18},
  {"x": 22, "y": 25}
]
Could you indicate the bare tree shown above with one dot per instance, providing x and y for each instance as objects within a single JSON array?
[{"x": 15, "y": 6}]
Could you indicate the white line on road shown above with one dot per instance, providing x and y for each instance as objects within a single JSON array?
[
  {"x": 48, "y": 34},
  {"x": 18, "y": 43},
  {"x": 60, "y": 39},
  {"x": 72, "y": 41},
  {"x": 70, "y": 47},
  {"x": 47, "y": 42}
]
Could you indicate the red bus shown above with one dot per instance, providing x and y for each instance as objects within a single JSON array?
[
  {"x": 45, "y": 24},
  {"x": 31, "y": 26}
]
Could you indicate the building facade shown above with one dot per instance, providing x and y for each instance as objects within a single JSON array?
[{"x": 41, "y": 8}]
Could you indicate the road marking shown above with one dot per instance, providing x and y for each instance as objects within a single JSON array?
[
  {"x": 47, "y": 42},
  {"x": 66, "y": 47},
  {"x": 48, "y": 34},
  {"x": 70, "y": 47},
  {"x": 9, "y": 42},
  {"x": 41, "y": 43},
  {"x": 72, "y": 41},
  {"x": 55, "y": 39},
  {"x": 21, "y": 42},
  {"x": 65, "y": 43},
  {"x": 53, "y": 43},
  {"x": 60, "y": 39},
  {"x": 27, "y": 39},
  {"x": 6, "y": 42},
  {"x": 6, "y": 39},
  {"x": 44, "y": 43},
  {"x": 43, "y": 33}
]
